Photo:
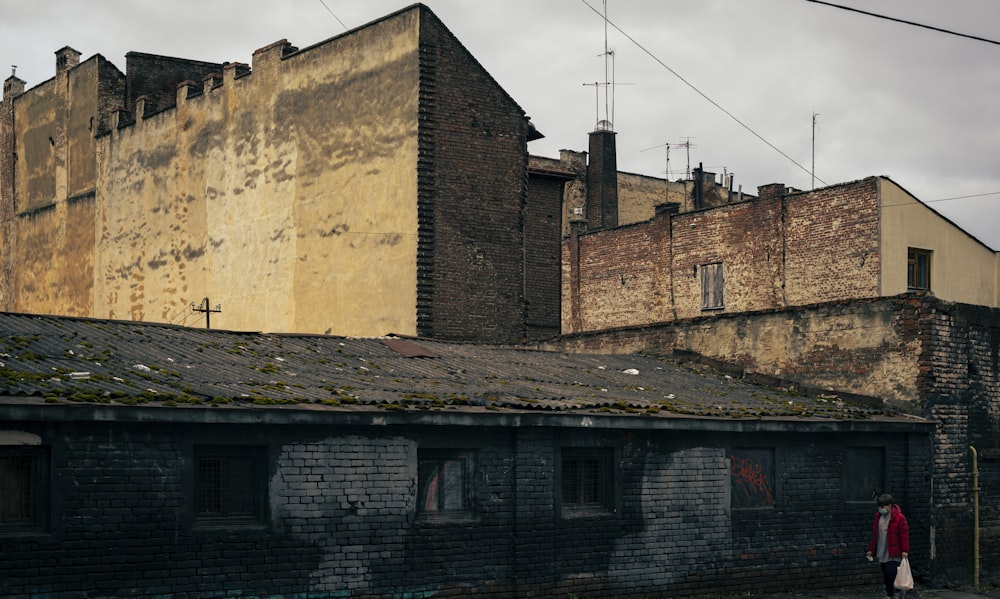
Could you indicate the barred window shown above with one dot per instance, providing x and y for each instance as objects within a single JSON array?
[
  {"x": 24, "y": 489},
  {"x": 230, "y": 485},
  {"x": 587, "y": 481}
]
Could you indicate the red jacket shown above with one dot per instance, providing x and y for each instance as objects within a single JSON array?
[{"x": 898, "y": 537}]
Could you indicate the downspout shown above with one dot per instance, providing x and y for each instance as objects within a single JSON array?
[{"x": 975, "y": 517}]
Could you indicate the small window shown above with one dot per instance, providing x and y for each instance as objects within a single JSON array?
[
  {"x": 918, "y": 269},
  {"x": 863, "y": 477},
  {"x": 587, "y": 481},
  {"x": 230, "y": 485},
  {"x": 444, "y": 480},
  {"x": 752, "y": 478},
  {"x": 712, "y": 285},
  {"x": 24, "y": 489}
]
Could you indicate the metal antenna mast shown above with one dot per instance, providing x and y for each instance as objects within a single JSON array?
[{"x": 814, "y": 151}]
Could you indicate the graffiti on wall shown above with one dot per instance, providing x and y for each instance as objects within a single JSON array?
[{"x": 752, "y": 477}]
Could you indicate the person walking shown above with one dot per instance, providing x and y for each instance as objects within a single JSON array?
[{"x": 890, "y": 541}]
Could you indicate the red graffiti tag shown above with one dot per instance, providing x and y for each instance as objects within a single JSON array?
[{"x": 751, "y": 481}]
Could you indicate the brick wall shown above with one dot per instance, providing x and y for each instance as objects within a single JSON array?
[
  {"x": 542, "y": 268},
  {"x": 617, "y": 278},
  {"x": 777, "y": 250},
  {"x": 960, "y": 382},
  {"x": 832, "y": 237},
  {"x": 920, "y": 355},
  {"x": 12, "y": 88},
  {"x": 157, "y": 77},
  {"x": 341, "y": 515},
  {"x": 472, "y": 186}
]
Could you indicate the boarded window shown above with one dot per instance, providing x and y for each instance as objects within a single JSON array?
[
  {"x": 444, "y": 481},
  {"x": 863, "y": 478},
  {"x": 230, "y": 485},
  {"x": 918, "y": 269},
  {"x": 752, "y": 477},
  {"x": 712, "y": 286},
  {"x": 24, "y": 489}
]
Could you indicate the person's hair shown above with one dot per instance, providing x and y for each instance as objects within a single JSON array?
[{"x": 884, "y": 499}]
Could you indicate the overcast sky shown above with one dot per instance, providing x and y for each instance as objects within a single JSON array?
[{"x": 731, "y": 77}]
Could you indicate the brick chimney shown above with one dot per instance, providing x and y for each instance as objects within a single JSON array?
[
  {"x": 602, "y": 178},
  {"x": 770, "y": 191}
]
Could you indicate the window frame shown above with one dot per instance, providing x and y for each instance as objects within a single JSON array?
[
  {"x": 713, "y": 286},
  {"x": 446, "y": 459},
  {"x": 257, "y": 487},
  {"x": 772, "y": 479},
  {"x": 918, "y": 275},
  {"x": 40, "y": 490},
  {"x": 607, "y": 483},
  {"x": 849, "y": 471}
]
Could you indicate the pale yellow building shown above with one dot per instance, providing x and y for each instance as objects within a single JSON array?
[
  {"x": 372, "y": 183},
  {"x": 921, "y": 249}
]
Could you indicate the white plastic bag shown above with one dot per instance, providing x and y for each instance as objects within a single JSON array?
[{"x": 904, "y": 578}]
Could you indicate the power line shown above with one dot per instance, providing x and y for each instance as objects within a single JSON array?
[
  {"x": 699, "y": 92},
  {"x": 905, "y": 22},
  {"x": 975, "y": 195},
  {"x": 334, "y": 14}
]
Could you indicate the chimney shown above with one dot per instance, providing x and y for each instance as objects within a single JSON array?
[
  {"x": 66, "y": 59},
  {"x": 12, "y": 86},
  {"x": 602, "y": 178},
  {"x": 771, "y": 191}
]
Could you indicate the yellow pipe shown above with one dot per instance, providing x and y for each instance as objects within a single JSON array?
[{"x": 975, "y": 517}]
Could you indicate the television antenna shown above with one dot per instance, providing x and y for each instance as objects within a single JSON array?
[
  {"x": 607, "y": 123},
  {"x": 686, "y": 144}
]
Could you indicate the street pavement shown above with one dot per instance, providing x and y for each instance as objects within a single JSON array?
[{"x": 875, "y": 592}]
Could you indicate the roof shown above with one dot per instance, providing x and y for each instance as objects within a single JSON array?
[{"x": 61, "y": 368}]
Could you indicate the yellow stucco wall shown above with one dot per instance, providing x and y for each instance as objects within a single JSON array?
[
  {"x": 275, "y": 195},
  {"x": 38, "y": 118},
  {"x": 54, "y": 175},
  {"x": 962, "y": 268}
]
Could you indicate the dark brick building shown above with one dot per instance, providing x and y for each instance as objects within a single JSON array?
[
  {"x": 921, "y": 355},
  {"x": 156, "y": 461}
]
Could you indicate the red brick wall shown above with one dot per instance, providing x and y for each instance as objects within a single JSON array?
[
  {"x": 777, "y": 250},
  {"x": 833, "y": 243},
  {"x": 621, "y": 277},
  {"x": 746, "y": 239}
]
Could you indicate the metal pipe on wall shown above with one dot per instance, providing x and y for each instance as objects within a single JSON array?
[{"x": 975, "y": 517}]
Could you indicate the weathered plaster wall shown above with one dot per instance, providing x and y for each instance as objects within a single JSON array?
[
  {"x": 52, "y": 234},
  {"x": 638, "y": 196},
  {"x": 38, "y": 117},
  {"x": 287, "y": 195},
  {"x": 869, "y": 347}
]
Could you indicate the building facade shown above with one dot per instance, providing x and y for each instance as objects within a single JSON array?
[
  {"x": 858, "y": 240},
  {"x": 380, "y": 168},
  {"x": 141, "y": 460},
  {"x": 920, "y": 354}
]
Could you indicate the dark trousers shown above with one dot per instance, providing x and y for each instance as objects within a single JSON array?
[{"x": 889, "y": 577}]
